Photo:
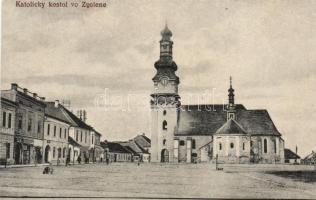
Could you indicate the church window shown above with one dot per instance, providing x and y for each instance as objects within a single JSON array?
[
  {"x": 231, "y": 145},
  {"x": 265, "y": 146},
  {"x": 220, "y": 146},
  {"x": 164, "y": 142},
  {"x": 193, "y": 144},
  {"x": 164, "y": 112},
  {"x": 164, "y": 125},
  {"x": 181, "y": 142},
  {"x": 243, "y": 146},
  {"x": 275, "y": 147}
]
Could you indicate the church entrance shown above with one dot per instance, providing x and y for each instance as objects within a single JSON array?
[{"x": 164, "y": 155}]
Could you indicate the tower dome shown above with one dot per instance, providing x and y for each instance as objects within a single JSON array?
[{"x": 166, "y": 33}]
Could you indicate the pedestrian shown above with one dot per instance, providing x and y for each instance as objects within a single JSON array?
[
  {"x": 79, "y": 159},
  {"x": 67, "y": 161}
]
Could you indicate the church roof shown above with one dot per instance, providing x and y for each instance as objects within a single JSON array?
[
  {"x": 207, "y": 119},
  {"x": 231, "y": 127}
]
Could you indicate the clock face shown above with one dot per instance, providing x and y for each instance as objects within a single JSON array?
[{"x": 164, "y": 81}]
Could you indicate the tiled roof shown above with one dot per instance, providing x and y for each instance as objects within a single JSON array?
[
  {"x": 231, "y": 127},
  {"x": 116, "y": 148},
  {"x": 142, "y": 140},
  {"x": 132, "y": 145},
  {"x": 75, "y": 121},
  {"x": 289, "y": 154},
  {"x": 207, "y": 119},
  {"x": 55, "y": 112}
]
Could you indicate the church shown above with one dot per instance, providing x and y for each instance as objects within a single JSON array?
[{"x": 227, "y": 133}]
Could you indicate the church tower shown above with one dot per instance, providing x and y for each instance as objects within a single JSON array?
[
  {"x": 231, "y": 108},
  {"x": 165, "y": 102}
]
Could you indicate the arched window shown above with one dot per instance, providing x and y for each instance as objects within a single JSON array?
[
  {"x": 164, "y": 142},
  {"x": 265, "y": 146},
  {"x": 164, "y": 112},
  {"x": 220, "y": 146},
  {"x": 231, "y": 145},
  {"x": 164, "y": 125},
  {"x": 275, "y": 146}
]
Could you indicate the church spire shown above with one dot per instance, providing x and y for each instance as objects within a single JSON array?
[
  {"x": 231, "y": 95},
  {"x": 166, "y": 43}
]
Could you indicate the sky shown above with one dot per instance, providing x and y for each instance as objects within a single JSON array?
[{"x": 102, "y": 59}]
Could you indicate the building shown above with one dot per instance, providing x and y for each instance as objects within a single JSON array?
[
  {"x": 291, "y": 157},
  {"x": 80, "y": 132},
  {"x": 7, "y": 127},
  {"x": 56, "y": 128},
  {"x": 189, "y": 133},
  {"x": 96, "y": 151},
  {"x": 143, "y": 141},
  {"x": 310, "y": 159},
  {"x": 29, "y": 124},
  {"x": 116, "y": 152}
]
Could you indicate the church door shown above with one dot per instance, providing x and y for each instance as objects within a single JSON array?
[{"x": 164, "y": 155}]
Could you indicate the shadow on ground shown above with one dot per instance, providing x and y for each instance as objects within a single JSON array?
[{"x": 303, "y": 176}]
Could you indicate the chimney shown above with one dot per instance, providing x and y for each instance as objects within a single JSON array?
[
  {"x": 25, "y": 90},
  {"x": 84, "y": 117},
  {"x": 14, "y": 86},
  {"x": 56, "y": 103},
  {"x": 80, "y": 114},
  {"x": 35, "y": 95}
]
